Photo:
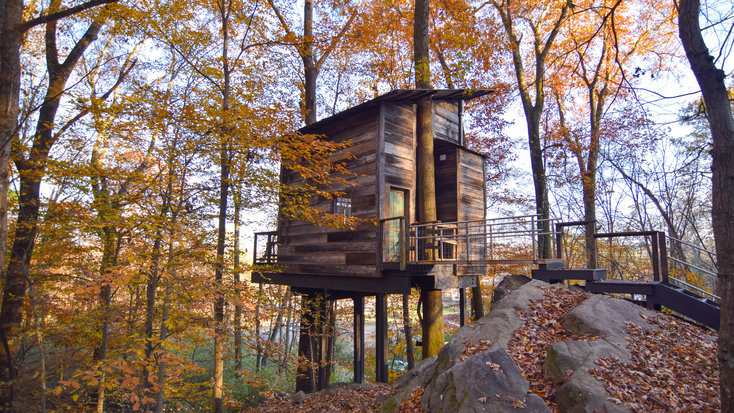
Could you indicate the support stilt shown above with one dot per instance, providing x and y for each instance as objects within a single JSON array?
[
  {"x": 381, "y": 338},
  {"x": 462, "y": 306},
  {"x": 358, "y": 339},
  {"x": 304, "y": 372},
  {"x": 323, "y": 342}
]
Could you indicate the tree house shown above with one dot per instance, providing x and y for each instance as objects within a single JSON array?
[
  {"x": 380, "y": 255},
  {"x": 385, "y": 254}
]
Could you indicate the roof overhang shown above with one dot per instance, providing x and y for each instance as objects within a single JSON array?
[{"x": 403, "y": 95}]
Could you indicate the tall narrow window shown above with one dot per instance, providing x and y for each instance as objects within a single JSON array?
[{"x": 343, "y": 206}]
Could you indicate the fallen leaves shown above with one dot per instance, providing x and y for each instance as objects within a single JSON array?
[
  {"x": 350, "y": 399},
  {"x": 472, "y": 349},
  {"x": 413, "y": 403},
  {"x": 541, "y": 327},
  {"x": 674, "y": 368}
]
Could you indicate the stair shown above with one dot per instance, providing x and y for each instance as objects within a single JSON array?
[
  {"x": 688, "y": 304},
  {"x": 680, "y": 300},
  {"x": 555, "y": 272},
  {"x": 646, "y": 288}
]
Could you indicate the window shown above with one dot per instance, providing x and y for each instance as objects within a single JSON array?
[{"x": 343, "y": 206}]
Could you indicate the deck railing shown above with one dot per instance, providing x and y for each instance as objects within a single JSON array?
[
  {"x": 393, "y": 241},
  {"x": 485, "y": 240},
  {"x": 268, "y": 244}
]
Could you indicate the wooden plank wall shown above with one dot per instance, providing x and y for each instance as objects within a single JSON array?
[
  {"x": 472, "y": 198},
  {"x": 446, "y": 121},
  {"x": 471, "y": 186},
  {"x": 311, "y": 249},
  {"x": 446, "y": 160},
  {"x": 398, "y": 157}
]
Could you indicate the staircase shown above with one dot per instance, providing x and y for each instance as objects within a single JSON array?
[{"x": 657, "y": 293}]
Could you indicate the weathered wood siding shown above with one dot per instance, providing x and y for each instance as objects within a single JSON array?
[
  {"x": 311, "y": 249},
  {"x": 397, "y": 161},
  {"x": 446, "y": 161},
  {"x": 446, "y": 121},
  {"x": 471, "y": 204},
  {"x": 471, "y": 185}
]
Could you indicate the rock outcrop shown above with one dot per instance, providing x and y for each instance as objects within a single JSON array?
[{"x": 474, "y": 373}]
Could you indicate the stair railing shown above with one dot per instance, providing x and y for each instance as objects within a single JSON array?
[{"x": 705, "y": 271}]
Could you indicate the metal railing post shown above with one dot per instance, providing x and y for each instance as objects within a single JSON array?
[
  {"x": 534, "y": 232},
  {"x": 491, "y": 243}
]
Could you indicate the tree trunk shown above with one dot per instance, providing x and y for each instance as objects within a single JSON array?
[
  {"x": 589, "y": 195},
  {"x": 151, "y": 290},
  {"x": 719, "y": 111},
  {"x": 31, "y": 171},
  {"x": 109, "y": 260},
  {"x": 542, "y": 43},
  {"x": 433, "y": 333},
  {"x": 238, "y": 305},
  {"x": 310, "y": 69},
  {"x": 258, "y": 344},
  {"x": 224, "y": 169},
  {"x": 11, "y": 314},
  {"x": 219, "y": 329},
  {"x": 288, "y": 336},
  {"x": 540, "y": 182},
  {"x": 163, "y": 334}
]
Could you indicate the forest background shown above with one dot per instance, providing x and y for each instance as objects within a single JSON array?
[{"x": 148, "y": 134}]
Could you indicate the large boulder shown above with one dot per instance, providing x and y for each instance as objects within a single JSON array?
[
  {"x": 418, "y": 377},
  {"x": 508, "y": 284},
  {"x": 487, "y": 382},
  {"x": 491, "y": 332},
  {"x": 496, "y": 328},
  {"x": 568, "y": 363}
]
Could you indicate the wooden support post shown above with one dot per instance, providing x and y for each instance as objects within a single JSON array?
[
  {"x": 477, "y": 305},
  {"x": 323, "y": 339},
  {"x": 304, "y": 372},
  {"x": 358, "y": 339},
  {"x": 462, "y": 306},
  {"x": 381, "y": 338},
  {"x": 664, "y": 272},
  {"x": 655, "y": 256}
]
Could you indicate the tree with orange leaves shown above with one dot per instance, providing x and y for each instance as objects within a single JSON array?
[
  {"x": 531, "y": 29},
  {"x": 597, "y": 46}
]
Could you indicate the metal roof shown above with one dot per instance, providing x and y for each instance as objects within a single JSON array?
[{"x": 404, "y": 95}]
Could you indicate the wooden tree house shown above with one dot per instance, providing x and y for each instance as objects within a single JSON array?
[{"x": 385, "y": 254}]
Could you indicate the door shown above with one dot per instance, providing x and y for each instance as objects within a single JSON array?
[{"x": 393, "y": 235}]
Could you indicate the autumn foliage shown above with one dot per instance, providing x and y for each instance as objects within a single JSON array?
[{"x": 130, "y": 128}]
